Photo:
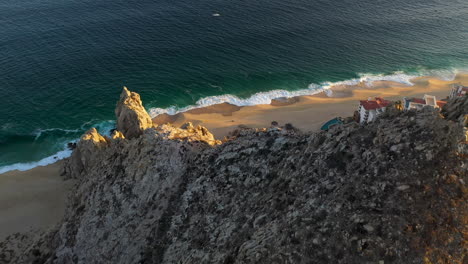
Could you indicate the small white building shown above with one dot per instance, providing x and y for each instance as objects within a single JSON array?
[
  {"x": 370, "y": 109},
  {"x": 458, "y": 90},
  {"x": 420, "y": 103}
]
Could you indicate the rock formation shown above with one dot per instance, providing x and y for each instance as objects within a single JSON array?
[
  {"x": 132, "y": 118},
  {"x": 393, "y": 191},
  {"x": 456, "y": 109},
  {"x": 188, "y": 132},
  {"x": 85, "y": 154},
  {"x": 117, "y": 135}
]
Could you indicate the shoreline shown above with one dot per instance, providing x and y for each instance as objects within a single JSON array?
[
  {"x": 35, "y": 198},
  {"x": 222, "y": 118},
  {"x": 307, "y": 112}
]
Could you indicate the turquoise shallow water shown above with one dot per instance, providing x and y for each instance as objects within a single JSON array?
[{"x": 63, "y": 63}]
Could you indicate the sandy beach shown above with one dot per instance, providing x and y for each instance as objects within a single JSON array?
[
  {"x": 308, "y": 113},
  {"x": 36, "y": 198},
  {"x": 32, "y": 200}
]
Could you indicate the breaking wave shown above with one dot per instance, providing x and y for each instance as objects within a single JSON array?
[
  {"x": 64, "y": 136},
  {"x": 256, "y": 99},
  {"x": 266, "y": 97},
  {"x": 104, "y": 127},
  {"x": 43, "y": 162}
]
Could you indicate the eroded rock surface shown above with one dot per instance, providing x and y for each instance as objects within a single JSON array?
[
  {"x": 391, "y": 191},
  {"x": 86, "y": 153},
  {"x": 188, "y": 132},
  {"x": 456, "y": 109},
  {"x": 132, "y": 118}
]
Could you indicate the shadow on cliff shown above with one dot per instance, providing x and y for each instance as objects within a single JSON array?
[{"x": 392, "y": 191}]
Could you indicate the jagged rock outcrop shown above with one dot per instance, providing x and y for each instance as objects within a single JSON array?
[
  {"x": 132, "y": 118},
  {"x": 393, "y": 191},
  {"x": 456, "y": 109},
  {"x": 188, "y": 132},
  {"x": 117, "y": 135},
  {"x": 85, "y": 154}
]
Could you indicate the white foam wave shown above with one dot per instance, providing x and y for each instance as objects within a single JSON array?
[
  {"x": 103, "y": 127},
  {"x": 39, "y": 132},
  {"x": 367, "y": 79},
  {"x": 43, "y": 162},
  {"x": 256, "y": 99},
  {"x": 445, "y": 75},
  {"x": 266, "y": 97}
]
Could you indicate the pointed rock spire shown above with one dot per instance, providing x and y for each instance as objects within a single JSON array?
[{"x": 132, "y": 118}]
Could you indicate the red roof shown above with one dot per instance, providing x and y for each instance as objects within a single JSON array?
[
  {"x": 418, "y": 101},
  {"x": 375, "y": 104}
]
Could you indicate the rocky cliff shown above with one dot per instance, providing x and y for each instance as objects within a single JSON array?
[
  {"x": 392, "y": 191},
  {"x": 132, "y": 118}
]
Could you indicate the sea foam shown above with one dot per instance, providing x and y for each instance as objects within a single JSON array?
[
  {"x": 43, "y": 162},
  {"x": 103, "y": 127},
  {"x": 266, "y": 97},
  {"x": 256, "y": 99}
]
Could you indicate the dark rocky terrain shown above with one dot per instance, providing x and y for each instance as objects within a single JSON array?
[{"x": 393, "y": 191}]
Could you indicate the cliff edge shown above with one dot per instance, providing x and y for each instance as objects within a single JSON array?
[{"x": 393, "y": 191}]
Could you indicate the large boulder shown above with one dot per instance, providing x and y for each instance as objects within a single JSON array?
[{"x": 132, "y": 118}]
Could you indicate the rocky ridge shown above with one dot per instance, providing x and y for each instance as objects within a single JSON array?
[
  {"x": 392, "y": 191},
  {"x": 132, "y": 122}
]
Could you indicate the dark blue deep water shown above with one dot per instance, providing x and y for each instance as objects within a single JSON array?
[{"x": 63, "y": 63}]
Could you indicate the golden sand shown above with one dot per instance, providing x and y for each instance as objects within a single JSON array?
[
  {"x": 309, "y": 113},
  {"x": 32, "y": 200},
  {"x": 36, "y": 198}
]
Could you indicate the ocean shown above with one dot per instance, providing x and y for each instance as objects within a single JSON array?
[{"x": 63, "y": 63}]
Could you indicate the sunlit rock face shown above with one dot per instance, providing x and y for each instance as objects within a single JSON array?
[
  {"x": 86, "y": 153},
  {"x": 132, "y": 118},
  {"x": 188, "y": 132},
  {"x": 117, "y": 135},
  {"x": 393, "y": 191}
]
